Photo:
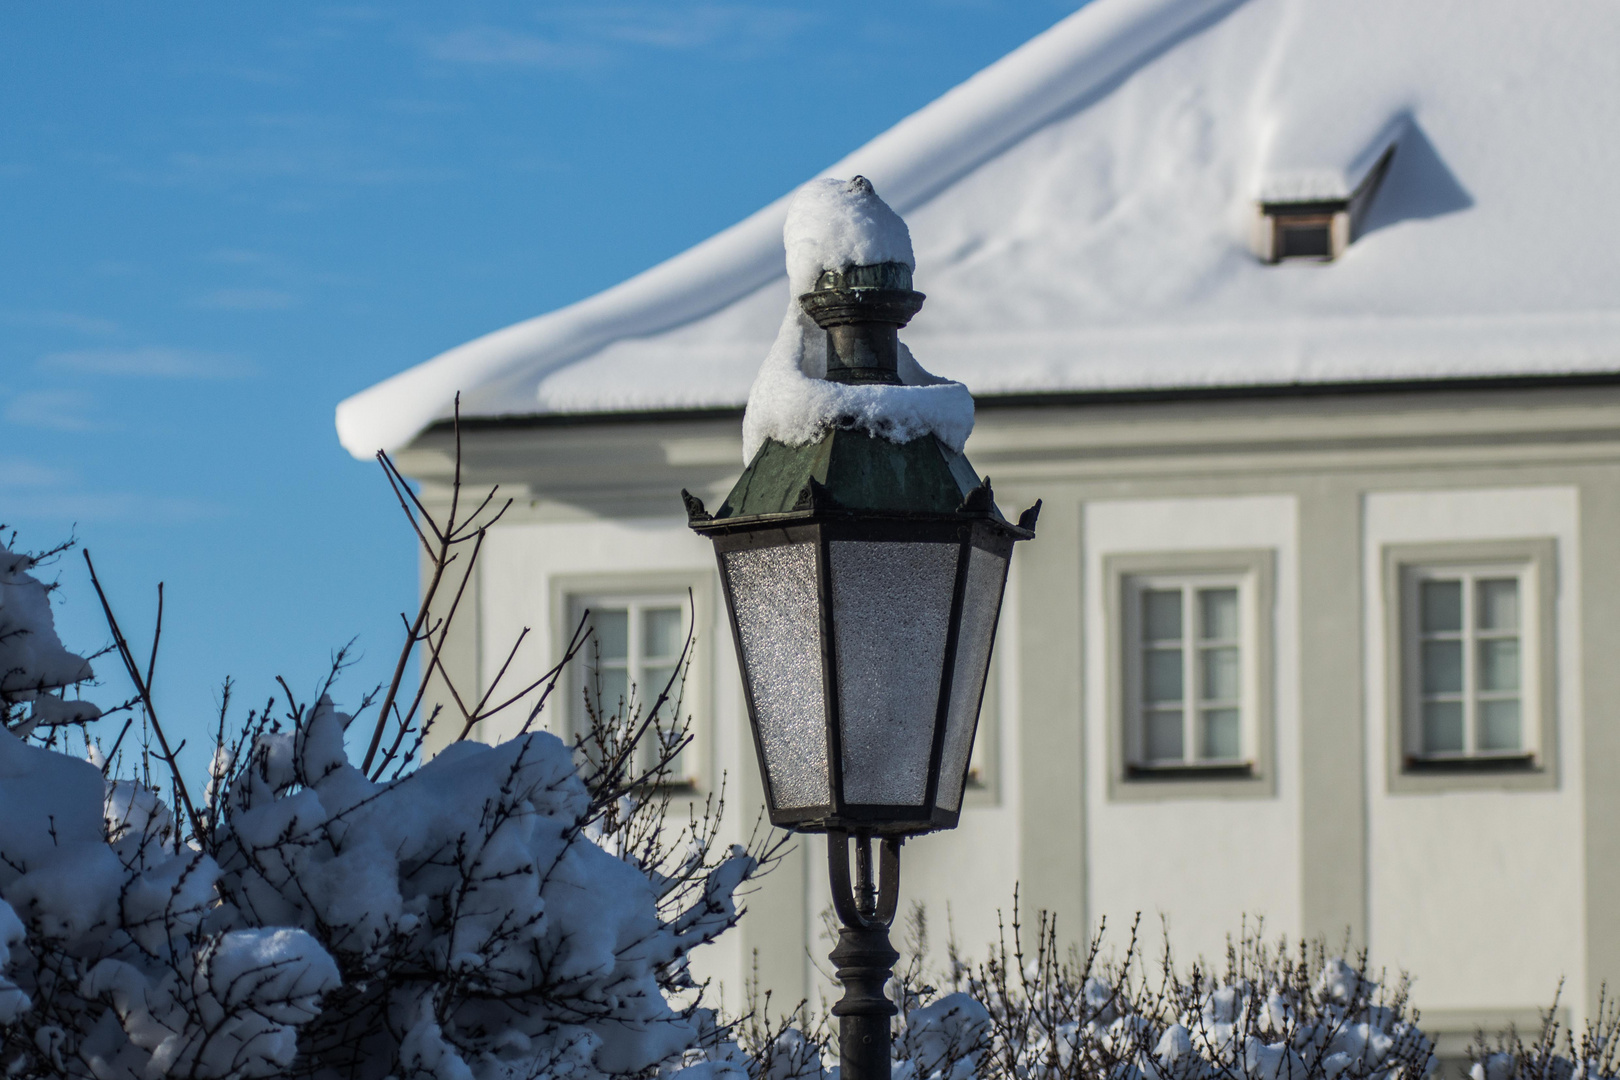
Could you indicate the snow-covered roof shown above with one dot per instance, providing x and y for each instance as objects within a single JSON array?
[{"x": 1081, "y": 213}]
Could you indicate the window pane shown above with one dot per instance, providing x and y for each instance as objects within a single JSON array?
[
  {"x": 1163, "y": 735},
  {"x": 612, "y": 627},
  {"x": 1499, "y": 724},
  {"x": 653, "y": 681},
  {"x": 662, "y": 633},
  {"x": 1161, "y": 614},
  {"x": 1442, "y": 667},
  {"x": 1218, "y": 614},
  {"x": 1223, "y": 736},
  {"x": 1442, "y": 727},
  {"x": 1499, "y": 664},
  {"x": 1220, "y": 675},
  {"x": 615, "y": 683},
  {"x": 1498, "y": 604},
  {"x": 1440, "y": 606},
  {"x": 1161, "y": 675}
]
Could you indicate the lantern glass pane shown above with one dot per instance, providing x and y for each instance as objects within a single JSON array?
[
  {"x": 981, "y": 604},
  {"x": 778, "y": 615},
  {"x": 891, "y": 615}
]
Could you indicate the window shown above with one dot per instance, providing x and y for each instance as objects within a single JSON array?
[
  {"x": 1317, "y": 229},
  {"x": 1470, "y": 660},
  {"x": 1190, "y": 633},
  {"x": 1468, "y": 663},
  {"x": 633, "y": 654},
  {"x": 1189, "y": 699}
]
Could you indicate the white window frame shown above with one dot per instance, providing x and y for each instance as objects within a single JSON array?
[
  {"x": 1191, "y": 645},
  {"x": 1533, "y": 764},
  {"x": 693, "y": 594},
  {"x": 1127, "y": 576}
]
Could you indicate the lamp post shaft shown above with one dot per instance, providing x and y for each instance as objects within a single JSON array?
[
  {"x": 865, "y": 961},
  {"x": 864, "y": 958}
]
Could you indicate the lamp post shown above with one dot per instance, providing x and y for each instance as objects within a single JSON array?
[{"x": 863, "y": 579}]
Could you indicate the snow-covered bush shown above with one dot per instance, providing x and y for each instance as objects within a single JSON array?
[
  {"x": 513, "y": 911},
  {"x": 1271, "y": 1013},
  {"x": 1555, "y": 1052}
]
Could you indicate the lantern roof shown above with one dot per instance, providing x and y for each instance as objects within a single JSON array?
[{"x": 858, "y": 471}]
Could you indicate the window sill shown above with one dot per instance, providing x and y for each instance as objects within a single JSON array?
[
  {"x": 1194, "y": 780},
  {"x": 1237, "y": 770},
  {"x": 1494, "y": 763},
  {"x": 1498, "y": 772}
]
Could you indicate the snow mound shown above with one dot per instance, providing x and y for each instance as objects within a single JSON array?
[{"x": 831, "y": 225}]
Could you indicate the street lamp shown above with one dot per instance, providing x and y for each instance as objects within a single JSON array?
[{"x": 864, "y": 580}]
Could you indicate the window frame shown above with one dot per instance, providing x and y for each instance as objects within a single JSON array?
[
  {"x": 1253, "y": 572},
  {"x": 570, "y": 593},
  {"x": 1535, "y": 766}
]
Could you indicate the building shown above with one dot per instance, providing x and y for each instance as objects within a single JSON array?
[{"x": 1304, "y": 321}]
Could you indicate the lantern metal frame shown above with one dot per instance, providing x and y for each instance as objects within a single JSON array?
[{"x": 821, "y": 526}]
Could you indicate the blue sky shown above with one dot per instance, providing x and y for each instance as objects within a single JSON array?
[{"x": 219, "y": 220}]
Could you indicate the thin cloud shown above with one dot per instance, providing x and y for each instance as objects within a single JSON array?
[
  {"x": 88, "y": 325},
  {"x": 18, "y": 472},
  {"x": 73, "y": 506},
  {"x": 245, "y": 300},
  {"x": 57, "y": 410},
  {"x": 150, "y": 363},
  {"x": 694, "y": 27},
  {"x": 496, "y": 46}
]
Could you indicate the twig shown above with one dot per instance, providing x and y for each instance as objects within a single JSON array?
[{"x": 143, "y": 688}]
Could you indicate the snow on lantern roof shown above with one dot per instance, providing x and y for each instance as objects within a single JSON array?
[{"x": 1082, "y": 210}]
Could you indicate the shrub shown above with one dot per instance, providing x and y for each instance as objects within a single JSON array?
[
  {"x": 510, "y": 911},
  {"x": 1555, "y": 1052},
  {"x": 1271, "y": 1012}
]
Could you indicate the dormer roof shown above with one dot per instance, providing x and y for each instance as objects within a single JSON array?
[{"x": 1083, "y": 212}]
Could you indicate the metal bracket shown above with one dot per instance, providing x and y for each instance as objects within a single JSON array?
[{"x": 863, "y": 903}]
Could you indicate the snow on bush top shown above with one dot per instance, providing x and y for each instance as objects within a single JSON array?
[
  {"x": 833, "y": 224},
  {"x": 32, "y": 659}
]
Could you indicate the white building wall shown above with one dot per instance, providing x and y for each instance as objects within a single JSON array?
[
  {"x": 1479, "y": 893},
  {"x": 1222, "y": 858}
]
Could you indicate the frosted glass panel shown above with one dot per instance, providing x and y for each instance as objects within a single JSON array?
[
  {"x": 891, "y": 613},
  {"x": 779, "y": 623},
  {"x": 981, "y": 603}
]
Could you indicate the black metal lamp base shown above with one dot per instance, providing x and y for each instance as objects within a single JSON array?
[{"x": 864, "y": 958}]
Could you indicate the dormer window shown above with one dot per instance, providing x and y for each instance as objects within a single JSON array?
[
  {"x": 1319, "y": 230},
  {"x": 1315, "y": 216}
]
